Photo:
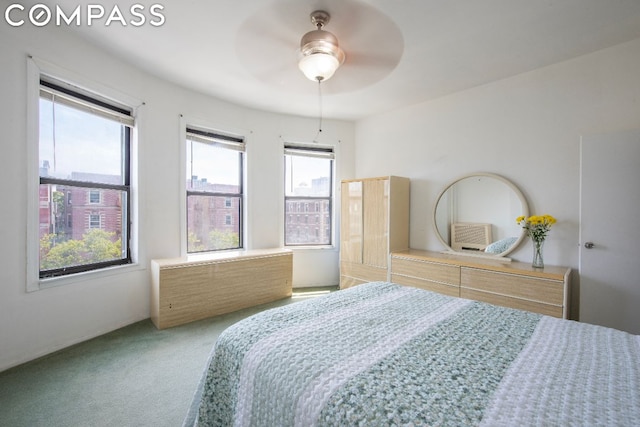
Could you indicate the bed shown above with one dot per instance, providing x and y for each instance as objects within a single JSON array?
[{"x": 384, "y": 354}]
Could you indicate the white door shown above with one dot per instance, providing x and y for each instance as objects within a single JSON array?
[{"x": 610, "y": 230}]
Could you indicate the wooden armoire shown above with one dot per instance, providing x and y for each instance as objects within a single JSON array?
[{"x": 374, "y": 222}]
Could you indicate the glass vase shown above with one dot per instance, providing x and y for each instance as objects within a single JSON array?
[{"x": 538, "y": 261}]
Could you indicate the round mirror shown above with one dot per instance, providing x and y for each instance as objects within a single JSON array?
[{"x": 476, "y": 215}]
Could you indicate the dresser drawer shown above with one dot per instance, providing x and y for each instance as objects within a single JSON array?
[
  {"x": 441, "y": 288},
  {"x": 515, "y": 286},
  {"x": 518, "y": 303},
  {"x": 433, "y": 272}
]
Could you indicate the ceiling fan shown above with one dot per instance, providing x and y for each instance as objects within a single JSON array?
[
  {"x": 320, "y": 54},
  {"x": 269, "y": 46}
]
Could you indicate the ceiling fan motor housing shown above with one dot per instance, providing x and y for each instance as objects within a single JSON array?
[{"x": 321, "y": 48}]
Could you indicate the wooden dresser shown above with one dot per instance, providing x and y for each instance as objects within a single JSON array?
[
  {"x": 500, "y": 282},
  {"x": 201, "y": 286}
]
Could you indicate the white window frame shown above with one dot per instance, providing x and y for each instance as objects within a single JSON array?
[
  {"x": 91, "y": 193},
  {"x": 36, "y": 68},
  {"x": 95, "y": 224}
]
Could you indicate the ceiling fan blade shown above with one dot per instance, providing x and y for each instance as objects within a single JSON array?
[{"x": 372, "y": 60}]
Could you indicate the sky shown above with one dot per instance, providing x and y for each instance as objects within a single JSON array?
[
  {"x": 304, "y": 170},
  {"x": 78, "y": 141}
]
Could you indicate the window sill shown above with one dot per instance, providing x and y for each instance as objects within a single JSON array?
[
  {"x": 312, "y": 248},
  {"x": 53, "y": 282}
]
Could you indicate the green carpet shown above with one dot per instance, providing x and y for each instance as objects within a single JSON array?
[{"x": 134, "y": 376}]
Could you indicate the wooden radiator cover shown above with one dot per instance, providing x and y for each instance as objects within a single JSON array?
[
  {"x": 470, "y": 236},
  {"x": 185, "y": 290}
]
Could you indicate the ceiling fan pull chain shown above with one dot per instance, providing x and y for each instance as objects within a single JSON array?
[
  {"x": 319, "y": 110},
  {"x": 320, "y": 105}
]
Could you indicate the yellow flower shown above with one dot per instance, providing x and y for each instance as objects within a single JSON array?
[{"x": 536, "y": 226}]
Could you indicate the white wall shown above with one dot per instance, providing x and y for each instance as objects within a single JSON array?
[
  {"x": 33, "y": 324},
  {"x": 526, "y": 128}
]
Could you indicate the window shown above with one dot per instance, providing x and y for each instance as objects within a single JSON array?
[
  {"x": 83, "y": 154},
  {"x": 214, "y": 191},
  {"x": 94, "y": 221},
  {"x": 309, "y": 183},
  {"x": 94, "y": 197}
]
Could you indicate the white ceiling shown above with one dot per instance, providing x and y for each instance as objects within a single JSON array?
[{"x": 399, "y": 52}]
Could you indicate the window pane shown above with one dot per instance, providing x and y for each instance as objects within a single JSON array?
[
  {"x": 214, "y": 219},
  {"x": 307, "y": 222},
  {"x": 94, "y": 197},
  {"x": 80, "y": 146},
  {"x": 307, "y": 176},
  {"x": 75, "y": 231},
  {"x": 212, "y": 223},
  {"x": 212, "y": 168},
  {"x": 308, "y": 194}
]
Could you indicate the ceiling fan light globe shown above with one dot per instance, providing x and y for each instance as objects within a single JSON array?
[{"x": 318, "y": 66}]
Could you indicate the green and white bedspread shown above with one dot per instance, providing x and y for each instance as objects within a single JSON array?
[{"x": 381, "y": 354}]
